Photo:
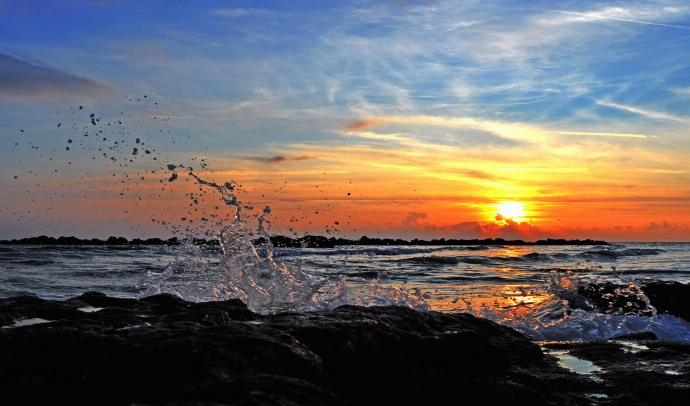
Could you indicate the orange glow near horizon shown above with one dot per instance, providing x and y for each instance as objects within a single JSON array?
[{"x": 368, "y": 195}]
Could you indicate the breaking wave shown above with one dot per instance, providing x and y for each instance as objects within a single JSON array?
[{"x": 569, "y": 313}]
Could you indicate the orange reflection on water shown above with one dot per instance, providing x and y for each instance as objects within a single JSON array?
[
  {"x": 521, "y": 299},
  {"x": 510, "y": 251}
]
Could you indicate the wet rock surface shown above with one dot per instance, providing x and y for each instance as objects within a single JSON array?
[
  {"x": 667, "y": 297},
  {"x": 161, "y": 350},
  {"x": 635, "y": 369}
]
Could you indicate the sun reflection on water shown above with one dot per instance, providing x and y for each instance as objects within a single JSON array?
[{"x": 518, "y": 299}]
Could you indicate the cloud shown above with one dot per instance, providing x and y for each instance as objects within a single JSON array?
[
  {"x": 462, "y": 24},
  {"x": 240, "y": 12},
  {"x": 682, "y": 91},
  {"x": 503, "y": 228},
  {"x": 610, "y": 14},
  {"x": 644, "y": 112},
  {"x": 478, "y": 175},
  {"x": 508, "y": 229},
  {"x": 509, "y": 131},
  {"x": 25, "y": 77},
  {"x": 359, "y": 125},
  {"x": 665, "y": 226},
  {"x": 468, "y": 227},
  {"x": 604, "y": 134},
  {"x": 412, "y": 2},
  {"x": 278, "y": 159},
  {"x": 53, "y": 6},
  {"x": 412, "y": 220}
]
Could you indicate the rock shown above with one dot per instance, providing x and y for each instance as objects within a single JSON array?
[
  {"x": 669, "y": 297},
  {"x": 162, "y": 350},
  {"x": 639, "y": 336},
  {"x": 650, "y": 372},
  {"x": 666, "y": 297}
]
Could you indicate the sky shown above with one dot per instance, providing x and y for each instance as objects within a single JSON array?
[{"x": 403, "y": 119}]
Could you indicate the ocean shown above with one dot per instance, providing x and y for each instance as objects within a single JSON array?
[{"x": 530, "y": 288}]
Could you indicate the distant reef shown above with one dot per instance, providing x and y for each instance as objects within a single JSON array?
[{"x": 309, "y": 241}]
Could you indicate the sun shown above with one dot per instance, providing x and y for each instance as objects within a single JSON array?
[{"x": 514, "y": 210}]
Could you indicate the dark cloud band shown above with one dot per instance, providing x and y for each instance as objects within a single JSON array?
[
  {"x": 279, "y": 158},
  {"x": 29, "y": 78}
]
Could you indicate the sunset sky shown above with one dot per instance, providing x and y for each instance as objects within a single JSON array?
[{"x": 428, "y": 119}]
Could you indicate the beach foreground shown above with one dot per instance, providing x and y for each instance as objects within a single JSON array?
[{"x": 161, "y": 350}]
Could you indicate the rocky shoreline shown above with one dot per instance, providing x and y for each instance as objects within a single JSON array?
[{"x": 161, "y": 350}]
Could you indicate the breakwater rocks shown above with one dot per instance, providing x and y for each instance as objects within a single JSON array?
[
  {"x": 308, "y": 241},
  {"x": 161, "y": 350}
]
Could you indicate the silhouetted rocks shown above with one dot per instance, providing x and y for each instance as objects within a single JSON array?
[
  {"x": 309, "y": 241},
  {"x": 161, "y": 350},
  {"x": 111, "y": 241}
]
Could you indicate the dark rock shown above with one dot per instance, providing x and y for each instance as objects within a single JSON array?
[
  {"x": 116, "y": 241},
  {"x": 639, "y": 336},
  {"x": 69, "y": 241},
  {"x": 652, "y": 373},
  {"x": 162, "y": 350},
  {"x": 614, "y": 298},
  {"x": 666, "y": 297},
  {"x": 308, "y": 241},
  {"x": 669, "y": 297},
  {"x": 316, "y": 241}
]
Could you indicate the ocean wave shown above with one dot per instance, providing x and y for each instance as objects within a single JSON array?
[
  {"x": 369, "y": 251},
  {"x": 364, "y": 274},
  {"x": 433, "y": 259},
  {"x": 33, "y": 262},
  {"x": 476, "y": 261},
  {"x": 587, "y": 325},
  {"x": 476, "y": 248},
  {"x": 535, "y": 256},
  {"x": 615, "y": 254}
]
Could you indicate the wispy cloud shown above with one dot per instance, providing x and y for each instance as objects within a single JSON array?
[
  {"x": 279, "y": 159},
  {"x": 511, "y": 131},
  {"x": 604, "y": 134},
  {"x": 645, "y": 112},
  {"x": 240, "y": 12},
  {"x": 377, "y": 136},
  {"x": 25, "y": 77},
  {"x": 608, "y": 15},
  {"x": 682, "y": 91},
  {"x": 359, "y": 125}
]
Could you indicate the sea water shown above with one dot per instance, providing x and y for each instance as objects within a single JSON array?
[{"x": 514, "y": 285}]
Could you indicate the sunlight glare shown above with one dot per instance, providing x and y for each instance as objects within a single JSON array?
[{"x": 514, "y": 210}]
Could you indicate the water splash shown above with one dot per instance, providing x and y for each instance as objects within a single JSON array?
[
  {"x": 571, "y": 312},
  {"x": 262, "y": 281}
]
